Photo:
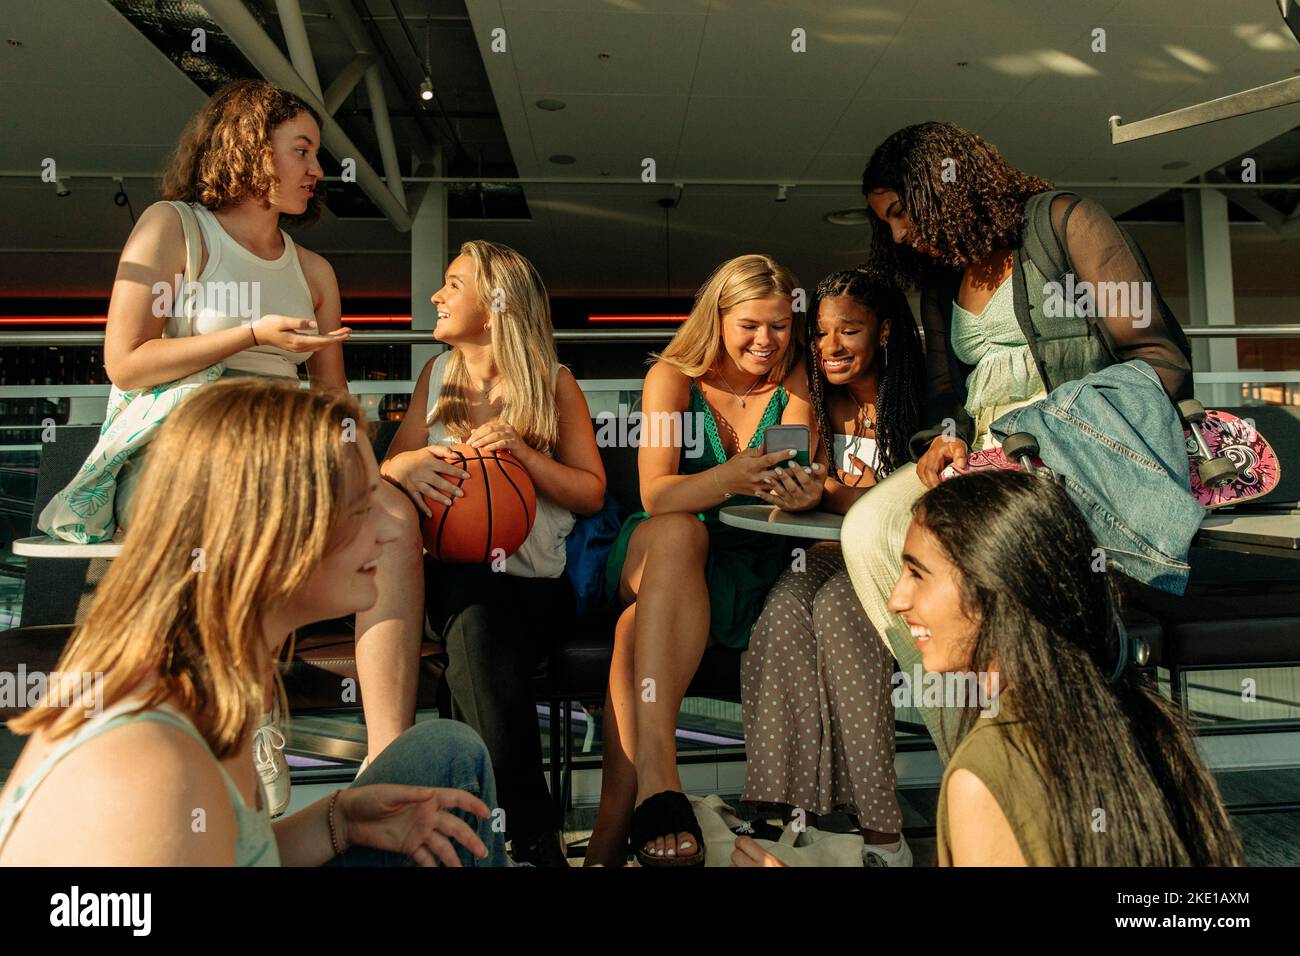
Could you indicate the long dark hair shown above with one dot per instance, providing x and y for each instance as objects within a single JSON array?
[
  {"x": 900, "y": 390},
  {"x": 978, "y": 209},
  {"x": 1046, "y": 623}
]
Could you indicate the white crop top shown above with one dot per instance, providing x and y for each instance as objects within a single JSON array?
[
  {"x": 855, "y": 446},
  {"x": 542, "y": 553},
  {"x": 237, "y": 288}
]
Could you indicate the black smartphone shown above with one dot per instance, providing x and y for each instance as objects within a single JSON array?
[{"x": 781, "y": 437}]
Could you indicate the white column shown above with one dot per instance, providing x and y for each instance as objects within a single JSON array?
[
  {"x": 1209, "y": 288},
  {"x": 428, "y": 263}
]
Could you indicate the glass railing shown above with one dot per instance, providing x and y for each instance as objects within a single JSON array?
[{"x": 707, "y": 726}]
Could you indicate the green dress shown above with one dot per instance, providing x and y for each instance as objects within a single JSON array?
[{"x": 741, "y": 566}]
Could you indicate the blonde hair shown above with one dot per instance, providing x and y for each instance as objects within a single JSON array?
[
  {"x": 254, "y": 473},
  {"x": 523, "y": 349},
  {"x": 694, "y": 348}
]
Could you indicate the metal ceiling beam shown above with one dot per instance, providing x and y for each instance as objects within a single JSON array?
[
  {"x": 355, "y": 33},
  {"x": 233, "y": 18},
  {"x": 295, "y": 37},
  {"x": 346, "y": 82}
]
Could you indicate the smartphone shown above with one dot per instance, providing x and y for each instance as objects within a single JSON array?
[{"x": 780, "y": 437}]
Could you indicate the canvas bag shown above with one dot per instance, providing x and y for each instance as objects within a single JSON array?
[
  {"x": 84, "y": 512},
  {"x": 806, "y": 847}
]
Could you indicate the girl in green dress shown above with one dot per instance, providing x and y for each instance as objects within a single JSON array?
[{"x": 683, "y": 578}]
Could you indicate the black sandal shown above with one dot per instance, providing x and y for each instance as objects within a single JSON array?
[{"x": 668, "y": 812}]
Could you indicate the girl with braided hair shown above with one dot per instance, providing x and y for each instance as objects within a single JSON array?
[{"x": 815, "y": 681}]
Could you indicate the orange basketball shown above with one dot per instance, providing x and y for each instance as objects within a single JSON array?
[{"x": 497, "y": 510}]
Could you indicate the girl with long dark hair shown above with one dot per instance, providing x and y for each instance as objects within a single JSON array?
[
  {"x": 949, "y": 216},
  {"x": 1070, "y": 756},
  {"x": 815, "y": 680}
]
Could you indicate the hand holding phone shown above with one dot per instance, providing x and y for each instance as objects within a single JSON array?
[{"x": 782, "y": 437}]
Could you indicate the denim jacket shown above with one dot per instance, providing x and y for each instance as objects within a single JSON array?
[{"x": 1117, "y": 442}]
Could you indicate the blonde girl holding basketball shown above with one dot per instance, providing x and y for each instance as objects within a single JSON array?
[{"x": 500, "y": 388}]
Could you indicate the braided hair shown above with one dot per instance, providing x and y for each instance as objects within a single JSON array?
[{"x": 901, "y": 386}]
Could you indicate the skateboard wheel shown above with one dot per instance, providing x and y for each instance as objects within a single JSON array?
[
  {"x": 1020, "y": 444},
  {"x": 1191, "y": 410},
  {"x": 1216, "y": 472}
]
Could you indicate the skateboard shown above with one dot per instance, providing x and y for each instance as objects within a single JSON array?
[{"x": 1231, "y": 462}]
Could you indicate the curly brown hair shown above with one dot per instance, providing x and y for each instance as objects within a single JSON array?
[
  {"x": 224, "y": 154},
  {"x": 964, "y": 220}
]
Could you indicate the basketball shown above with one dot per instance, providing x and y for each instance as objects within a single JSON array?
[{"x": 497, "y": 510}]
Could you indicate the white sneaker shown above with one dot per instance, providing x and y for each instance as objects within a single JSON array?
[
  {"x": 268, "y": 757},
  {"x": 873, "y": 855}
]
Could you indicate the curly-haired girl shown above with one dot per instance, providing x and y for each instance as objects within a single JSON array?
[
  {"x": 246, "y": 166},
  {"x": 950, "y": 215}
]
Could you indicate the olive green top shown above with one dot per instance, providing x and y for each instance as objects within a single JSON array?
[
  {"x": 994, "y": 751},
  {"x": 1004, "y": 370}
]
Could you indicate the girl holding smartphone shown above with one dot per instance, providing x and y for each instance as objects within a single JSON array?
[
  {"x": 815, "y": 680},
  {"x": 681, "y": 577}
]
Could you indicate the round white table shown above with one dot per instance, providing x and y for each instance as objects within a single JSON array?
[
  {"x": 768, "y": 519},
  {"x": 45, "y": 547}
]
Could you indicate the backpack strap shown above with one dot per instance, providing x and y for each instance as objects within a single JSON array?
[
  {"x": 1020, "y": 306},
  {"x": 1044, "y": 246}
]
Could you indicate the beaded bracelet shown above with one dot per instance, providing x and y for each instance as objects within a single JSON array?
[{"x": 334, "y": 840}]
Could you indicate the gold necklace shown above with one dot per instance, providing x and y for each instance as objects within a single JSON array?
[
  {"x": 867, "y": 423},
  {"x": 747, "y": 391},
  {"x": 485, "y": 392}
]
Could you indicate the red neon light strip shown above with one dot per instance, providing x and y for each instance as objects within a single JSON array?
[
  {"x": 636, "y": 318},
  {"x": 100, "y": 319}
]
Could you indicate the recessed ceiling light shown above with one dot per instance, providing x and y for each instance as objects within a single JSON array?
[
  {"x": 1176, "y": 164},
  {"x": 563, "y": 159},
  {"x": 551, "y": 106},
  {"x": 849, "y": 217}
]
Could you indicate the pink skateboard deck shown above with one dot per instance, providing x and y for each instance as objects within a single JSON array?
[{"x": 1258, "y": 469}]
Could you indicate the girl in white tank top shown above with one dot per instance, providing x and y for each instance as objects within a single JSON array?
[{"x": 236, "y": 288}]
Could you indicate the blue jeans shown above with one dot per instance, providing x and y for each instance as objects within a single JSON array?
[
  {"x": 435, "y": 753},
  {"x": 1117, "y": 442}
]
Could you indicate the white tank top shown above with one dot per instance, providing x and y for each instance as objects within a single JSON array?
[
  {"x": 542, "y": 553},
  {"x": 237, "y": 288}
]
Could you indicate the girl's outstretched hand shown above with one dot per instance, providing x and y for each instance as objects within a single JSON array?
[{"x": 411, "y": 820}]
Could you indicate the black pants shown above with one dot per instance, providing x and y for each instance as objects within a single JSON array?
[{"x": 497, "y": 628}]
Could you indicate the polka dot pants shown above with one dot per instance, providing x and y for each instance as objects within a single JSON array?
[{"x": 815, "y": 690}]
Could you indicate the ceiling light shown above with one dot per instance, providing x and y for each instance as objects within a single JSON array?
[
  {"x": 849, "y": 217},
  {"x": 551, "y": 106},
  {"x": 563, "y": 159},
  {"x": 426, "y": 89}
]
